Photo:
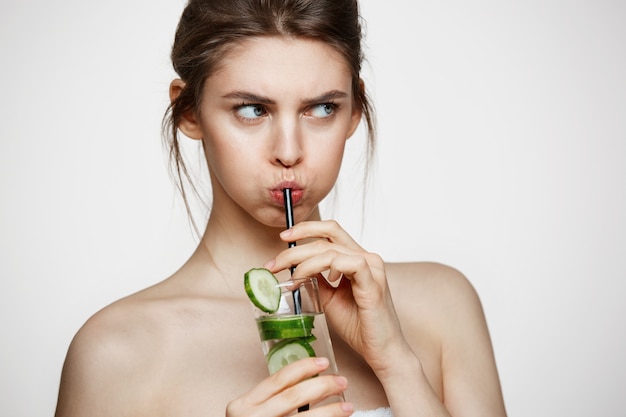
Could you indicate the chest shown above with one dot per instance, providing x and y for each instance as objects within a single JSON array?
[
  {"x": 208, "y": 359},
  {"x": 202, "y": 381}
]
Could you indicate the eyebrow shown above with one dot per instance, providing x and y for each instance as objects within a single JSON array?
[
  {"x": 258, "y": 99},
  {"x": 326, "y": 97},
  {"x": 248, "y": 97}
]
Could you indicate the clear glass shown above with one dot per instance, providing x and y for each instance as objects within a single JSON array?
[{"x": 298, "y": 329}]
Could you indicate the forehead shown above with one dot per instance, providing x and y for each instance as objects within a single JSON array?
[{"x": 281, "y": 65}]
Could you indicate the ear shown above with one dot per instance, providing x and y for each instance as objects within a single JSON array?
[
  {"x": 188, "y": 124},
  {"x": 357, "y": 113},
  {"x": 354, "y": 121}
]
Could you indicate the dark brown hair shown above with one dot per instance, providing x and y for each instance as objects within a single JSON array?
[{"x": 209, "y": 28}]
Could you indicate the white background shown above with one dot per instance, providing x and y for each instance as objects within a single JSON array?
[{"x": 502, "y": 152}]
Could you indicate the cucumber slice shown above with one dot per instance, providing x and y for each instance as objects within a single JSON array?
[
  {"x": 285, "y": 327},
  {"x": 262, "y": 289},
  {"x": 284, "y": 334},
  {"x": 288, "y": 351},
  {"x": 287, "y": 322}
]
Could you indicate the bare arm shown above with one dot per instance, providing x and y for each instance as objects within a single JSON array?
[
  {"x": 468, "y": 363},
  {"x": 437, "y": 304},
  {"x": 445, "y": 300}
]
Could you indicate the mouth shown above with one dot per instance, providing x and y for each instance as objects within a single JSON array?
[{"x": 276, "y": 193}]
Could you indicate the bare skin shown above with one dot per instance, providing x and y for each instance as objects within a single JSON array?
[
  {"x": 409, "y": 336},
  {"x": 189, "y": 345}
]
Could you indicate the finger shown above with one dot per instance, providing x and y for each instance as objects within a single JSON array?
[
  {"x": 297, "y": 254},
  {"x": 367, "y": 290},
  {"x": 327, "y": 229},
  {"x": 308, "y": 392},
  {"x": 354, "y": 266},
  {"x": 284, "y": 392},
  {"x": 337, "y": 409},
  {"x": 286, "y": 377},
  {"x": 322, "y": 261}
]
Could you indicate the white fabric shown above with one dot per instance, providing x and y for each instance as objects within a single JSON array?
[{"x": 379, "y": 412}]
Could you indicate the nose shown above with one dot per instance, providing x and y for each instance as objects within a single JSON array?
[{"x": 286, "y": 143}]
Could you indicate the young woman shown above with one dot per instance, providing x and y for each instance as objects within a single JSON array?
[{"x": 272, "y": 89}]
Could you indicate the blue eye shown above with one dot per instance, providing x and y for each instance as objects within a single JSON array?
[
  {"x": 323, "y": 110},
  {"x": 250, "y": 111}
]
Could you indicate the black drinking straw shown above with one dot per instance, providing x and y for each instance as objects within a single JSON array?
[{"x": 297, "y": 300}]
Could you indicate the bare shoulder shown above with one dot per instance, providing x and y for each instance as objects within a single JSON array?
[
  {"x": 107, "y": 349},
  {"x": 116, "y": 330},
  {"x": 435, "y": 287},
  {"x": 128, "y": 344},
  {"x": 437, "y": 303},
  {"x": 443, "y": 320},
  {"x": 151, "y": 354}
]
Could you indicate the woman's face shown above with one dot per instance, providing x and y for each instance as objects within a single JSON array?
[{"x": 276, "y": 114}]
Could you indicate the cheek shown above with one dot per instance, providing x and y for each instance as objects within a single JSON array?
[
  {"x": 224, "y": 146},
  {"x": 327, "y": 158},
  {"x": 227, "y": 162},
  {"x": 231, "y": 162}
]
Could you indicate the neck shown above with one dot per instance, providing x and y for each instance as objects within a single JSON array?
[{"x": 234, "y": 242}]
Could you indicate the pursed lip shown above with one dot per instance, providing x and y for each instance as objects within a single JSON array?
[{"x": 276, "y": 192}]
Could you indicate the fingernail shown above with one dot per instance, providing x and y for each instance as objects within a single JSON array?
[
  {"x": 286, "y": 233},
  {"x": 347, "y": 407},
  {"x": 270, "y": 264},
  {"x": 321, "y": 362},
  {"x": 341, "y": 380}
]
